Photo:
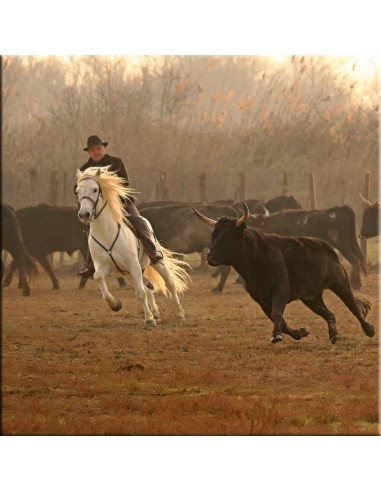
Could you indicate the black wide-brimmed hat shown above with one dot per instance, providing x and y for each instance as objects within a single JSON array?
[{"x": 94, "y": 140}]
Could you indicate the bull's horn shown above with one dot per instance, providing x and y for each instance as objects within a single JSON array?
[
  {"x": 267, "y": 213},
  {"x": 98, "y": 172},
  {"x": 208, "y": 221},
  {"x": 245, "y": 215},
  {"x": 366, "y": 202}
]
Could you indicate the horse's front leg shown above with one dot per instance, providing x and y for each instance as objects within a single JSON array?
[
  {"x": 100, "y": 276},
  {"x": 140, "y": 292}
]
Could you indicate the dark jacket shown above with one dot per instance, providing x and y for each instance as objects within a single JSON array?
[
  {"x": 116, "y": 165},
  {"x": 109, "y": 160}
]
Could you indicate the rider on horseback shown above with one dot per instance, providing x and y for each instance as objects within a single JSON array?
[{"x": 98, "y": 158}]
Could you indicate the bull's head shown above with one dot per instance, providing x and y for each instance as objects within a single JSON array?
[{"x": 226, "y": 237}]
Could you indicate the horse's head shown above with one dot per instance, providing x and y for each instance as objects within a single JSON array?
[{"x": 88, "y": 194}]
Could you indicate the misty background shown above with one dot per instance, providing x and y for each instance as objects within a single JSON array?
[{"x": 187, "y": 115}]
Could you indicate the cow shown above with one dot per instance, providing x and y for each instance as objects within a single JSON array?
[
  {"x": 370, "y": 219},
  {"x": 336, "y": 225},
  {"x": 13, "y": 243},
  {"x": 46, "y": 229},
  {"x": 280, "y": 269},
  {"x": 177, "y": 228}
]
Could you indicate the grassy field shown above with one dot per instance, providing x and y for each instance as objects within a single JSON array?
[{"x": 72, "y": 366}]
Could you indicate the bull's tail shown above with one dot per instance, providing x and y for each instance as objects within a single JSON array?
[
  {"x": 364, "y": 305},
  {"x": 177, "y": 270}
]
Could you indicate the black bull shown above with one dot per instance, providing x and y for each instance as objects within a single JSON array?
[
  {"x": 370, "y": 219},
  {"x": 177, "y": 228},
  {"x": 13, "y": 243},
  {"x": 280, "y": 269},
  {"x": 335, "y": 225},
  {"x": 46, "y": 229}
]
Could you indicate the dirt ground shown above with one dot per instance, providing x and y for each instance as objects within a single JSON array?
[{"x": 72, "y": 366}]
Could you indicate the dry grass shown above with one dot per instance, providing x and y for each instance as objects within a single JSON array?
[{"x": 71, "y": 366}]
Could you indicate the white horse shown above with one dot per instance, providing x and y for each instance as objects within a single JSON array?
[{"x": 115, "y": 247}]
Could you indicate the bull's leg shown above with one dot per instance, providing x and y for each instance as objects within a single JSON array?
[
  {"x": 44, "y": 262},
  {"x": 318, "y": 306},
  {"x": 82, "y": 282},
  {"x": 296, "y": 334},
  {"x": 278, "y": 305},
  {"x": 357, "y": 306},
  {"x": 224, "y": 272},
  {"x": 217, "y": 271},
  {"x": 121, "y": 282},
  {"x": 23, "y": 282},
  {"x": 9, "y": 274}
]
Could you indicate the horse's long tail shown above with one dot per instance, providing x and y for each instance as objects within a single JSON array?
[{"x": 177, "y": 270}]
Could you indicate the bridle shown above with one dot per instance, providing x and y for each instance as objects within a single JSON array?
[{"x": 94, "y": 215}]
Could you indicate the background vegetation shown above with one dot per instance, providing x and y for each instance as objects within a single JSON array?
[{"x": 188, "y": 115}]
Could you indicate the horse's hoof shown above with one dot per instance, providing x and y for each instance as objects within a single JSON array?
[
  {"x": 26, "y": 293},
  {"x": 277, "y": 338},
  {"x": 149, "y": 323},
  {"x": 56, "y": 287},
  {"x": 6, "y": 283},
  {"x": 334, "y": 338},
  {"x": 118, "y": 306}
]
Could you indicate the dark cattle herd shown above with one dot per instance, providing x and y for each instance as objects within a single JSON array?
[
  {"x": 46, "y": 229},
  {"x": 281, "y": 251}
]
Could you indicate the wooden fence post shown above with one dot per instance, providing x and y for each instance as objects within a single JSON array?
[
  {"x": 313, "y": 191},
  {"x": 284, "y": 183},
  {"x": 242, "y": 187},
  {"x": 203, "y": 190},
  {"x": 164, "y": 186},
  {"x": 367, "y": 196}
]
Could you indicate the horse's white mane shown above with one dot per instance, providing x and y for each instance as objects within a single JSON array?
[{"x": 113, "y": 188}]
